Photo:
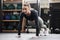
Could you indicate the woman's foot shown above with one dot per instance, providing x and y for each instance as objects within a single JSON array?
[{"x": 46, "y": 32}]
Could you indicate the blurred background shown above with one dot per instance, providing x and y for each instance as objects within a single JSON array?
[{"x": 49, "y": 11}]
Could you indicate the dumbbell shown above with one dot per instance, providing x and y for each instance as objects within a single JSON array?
[
  {"x": 11, "y": 6},
  {"x": 13, "y": 17},
  {"x": 19, "y": 6},
  {"x": 5, "y": 7},
  {"x": 7, "y": 17},
  {"x": 10, "y": 27}
]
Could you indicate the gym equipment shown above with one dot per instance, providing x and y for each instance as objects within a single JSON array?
[
  {"x": 13, "y": 17},
  {"x": 4, "y": 27},
  {"x": 55, "y": 17},
  {"x": 13, "y": 24},
  {"x": 7, "y": 17},
  {"x": 19, "y": 6},
  {"x": 5, "y": 6},
  {"x": 11, "y": 6},
  {"x": 16, "y": 25},
  {"x": 2, "y": 18},
  {"x": 10, "y": 27},
  {"x": 18, "y": 17}
]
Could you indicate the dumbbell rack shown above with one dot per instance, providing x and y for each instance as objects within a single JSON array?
[{"x": 12, "y": 10}]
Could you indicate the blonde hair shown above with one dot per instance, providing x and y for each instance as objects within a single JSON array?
[{"x": 27, "y": 4}]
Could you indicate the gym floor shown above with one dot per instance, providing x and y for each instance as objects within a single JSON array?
[{"x": 25, "y": 36}]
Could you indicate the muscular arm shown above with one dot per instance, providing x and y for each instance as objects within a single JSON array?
[
  {"x": 36, "y": 23},
  {"x": 36, "y": 18},
  {"x": 20, "y": 22}
]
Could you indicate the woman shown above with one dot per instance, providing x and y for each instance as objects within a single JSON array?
[{"x": 29, "y": 15}]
